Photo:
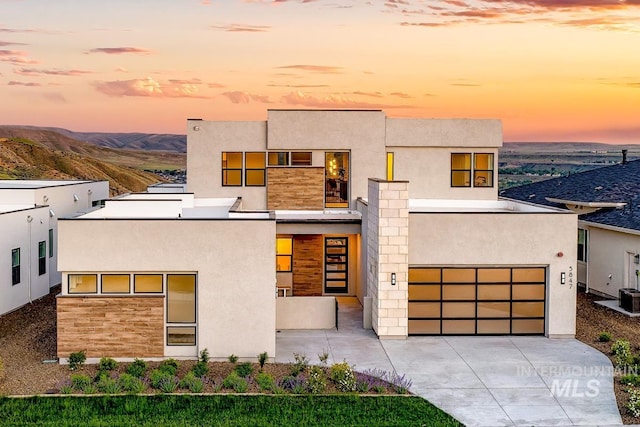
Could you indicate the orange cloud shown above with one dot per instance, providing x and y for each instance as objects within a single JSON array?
[
  {"x": 29, "y": 84},
  {"x": 15, "y": 57},
  {"x": 332, "y": 101},
  {"x": 323, "y": 69},
  {"x": 242, "y": 28},
  {"x": 147, "y": 88},
  {"x": 120, "y": 50},
  {"x": 238, "y": 97},
  {"x": 50, "y": 72},
  {"x": 2, "y": 43}
]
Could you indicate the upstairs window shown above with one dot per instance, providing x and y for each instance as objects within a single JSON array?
[
  {"x": 278, "y": 158},
  {"x": 42, "y": 258},
  {"x": 232, "y": 169},
  {"x": 483, "y": 170},
  {"x": 582, "y": 245},
  {"x": 15, "y": 266},
  {"x": 461, "y": 169},
  {"x": 284, "y": 254},
  {"x": 301, "y": 158},
  {"x": 254, "y": 174}
]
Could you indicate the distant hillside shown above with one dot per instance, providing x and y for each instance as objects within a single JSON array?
[
  {"x": 55, "y": 140},
  {"x": 22, "y": 158},
  {"x": 128, "y": 141}
]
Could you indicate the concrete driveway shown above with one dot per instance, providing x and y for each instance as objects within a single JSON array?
[{"x": 481, "y": 381}]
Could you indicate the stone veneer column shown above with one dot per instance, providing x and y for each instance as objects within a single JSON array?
[{"x": 387, "y": 253}]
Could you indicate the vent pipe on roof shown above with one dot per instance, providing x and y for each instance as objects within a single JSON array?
[{"x": 624, "y": 157}]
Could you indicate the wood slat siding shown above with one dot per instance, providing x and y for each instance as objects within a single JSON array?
[
  {"x": 111, "y": 327},
  {"x": 295, "y": 188},
  {"x": 307, "y": 265}
]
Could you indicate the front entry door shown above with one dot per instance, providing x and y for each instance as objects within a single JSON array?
[{"x": 336, "y": 265}]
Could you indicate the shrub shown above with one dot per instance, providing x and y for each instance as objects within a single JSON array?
[
  {"x": 379, "y": 388},
  {"x": 342, "y": 375},
  {"x": 192, "y": 383},
  {"x": 262, "y": 359},
  {"x": 108, "y": 385},
  {"x": 317, "y": 382},
  {"x": 170, "y": 366},
  {"x": 630, "y": 379},
  {"x": 604, "y": 337},
  {"x": 621, "y": 351},
  {"x": 168, "y": 384},
  {"x": 244, "y": 369},
  {"x": 137, "y": 368},
  {"x": 131, "y": 384},
  {"x": 107, "y": 364},
  {"x": 235, "y": 382},
  {"x": 401, "y": 383},
  {"x": 633, "y": 405},
  {"x": 157, "y": 376},
  {"x": 324, "y": 357},
  {"x": 204, "y": 356},
  {"x": 294, "y": 384},
  {"x": 300, "y": 365},
  {"x": 77, "y": 359},
  {"x": 200, "y": 369},
  {"x": 265, "y": 382},
  {"x": 233, "y": 358},
  {"x": 90, "y": 389},
  {"x": 80, "y": 381},
  {"x": 65, "y": 387}
]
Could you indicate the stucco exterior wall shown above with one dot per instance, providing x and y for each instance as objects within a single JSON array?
[
  {"x": 485, "y": 239},
  {"x": 609, "y": 253},
  {"x": 204, "y": 160},
  {"x": 17, "y": 232},
  {"x": 444, "y": 133},
  {"x": 306, "y": 313},
  {"x": 234, "y": 261}
]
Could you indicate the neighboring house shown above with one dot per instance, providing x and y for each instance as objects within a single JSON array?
[
  {"x": 28, "y": 226},
  {"x": 608, "y": 201},
  {"x": 284, "y": 215}
]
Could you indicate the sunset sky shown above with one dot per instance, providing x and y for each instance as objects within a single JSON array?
[{"x": 552, "y": 70}]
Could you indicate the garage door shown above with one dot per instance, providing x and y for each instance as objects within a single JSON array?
[{"x": 477, "y": 301}]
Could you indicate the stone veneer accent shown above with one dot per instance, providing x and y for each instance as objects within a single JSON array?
[
  {"x": 111, "y": 326},
  {"x": 295, "y": 188},
  {"x": 307, "y": 265},
  {"x": 388, "y": 252}
]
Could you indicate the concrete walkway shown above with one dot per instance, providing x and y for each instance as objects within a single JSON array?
[{"x": 481, "y": 381}]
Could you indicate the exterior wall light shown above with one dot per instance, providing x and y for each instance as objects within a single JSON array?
[
  {"x": 75, "y": 198},
  {"x": 563, "y": 278},
  {"x": 393, "y": 279}
]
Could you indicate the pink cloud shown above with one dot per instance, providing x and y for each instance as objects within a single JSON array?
[
  {"x": 121, "y": 70},
  {"x": 50, "y": 72},
  {"x": 29, "y": 84},
  {"x": 55, "y": 97},
  {"x": 147, "y": 88},
  {"x": 238, "y": 97},
  {"x": 323, "y": 69},
  {"x": 369, "y": 94},
  {"x": 2, "y": 43},
  {"x": 120, "y": 50},
  {"x": 332, "y": 101},
  {"x": 242, "y": 28}
]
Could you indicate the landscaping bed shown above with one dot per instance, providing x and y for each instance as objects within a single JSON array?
[{"x": 592, "y": 321}]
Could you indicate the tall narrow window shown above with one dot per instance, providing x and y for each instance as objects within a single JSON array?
[
  {"x": 390, "y": 167},
  {"x": 460, "y": 169},
  {"x": 15, "y": 266},
  {"x": 42, "y": 258},
  {"x": 232, "y": 169},
  {"x": 284, "y": 254},
  {"x": 254, "y": 167},
  {"x": 336, "y": 171},
  {"x": 336, "y": 265},
  {"x": 582, "y": 245},
  {"x": 278, "y": 158},
  {"x": 301, "y": 158},
  {"x": 483, "y": 170},
  {"x": 51, "y": 243},
  {"x": 181, "y": 309}
]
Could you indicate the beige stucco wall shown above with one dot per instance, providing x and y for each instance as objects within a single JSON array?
[
  {"x": 306, "y": 313},
  {"x": 444, "y": 133},
  {"x": 481, "y": 239},
  {"x": 234, "y": 260},
  {"x": 608, "y": 254},
  {"x": 204, "y": 159}
]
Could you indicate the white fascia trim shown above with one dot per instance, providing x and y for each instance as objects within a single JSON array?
[
  {"x": 609, "y": 227},
  {"x": 616, "y": 205}
]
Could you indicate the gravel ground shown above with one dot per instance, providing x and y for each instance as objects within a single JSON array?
[{"x": 28, "y": 337}]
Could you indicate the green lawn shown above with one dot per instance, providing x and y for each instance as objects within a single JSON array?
[{"x": 222, "y": 410}]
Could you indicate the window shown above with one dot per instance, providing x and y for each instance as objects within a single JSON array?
[
  {"x": 336, "y": 265},
  {"x": 83, "y": 283},
  {"x": 301, "y": 158},
  {"x": 147, "y": 283},
  {"x": 51, "y": 243},
  {"x": 232, "y": 169},
  {"x": 336, "y": 171},
  {"x": 181, "y": 308},
  {"x": 390, "y": 167},
  {"x": 284, "y": 254},
  {"x": 582, "y": 245},
  {"x": 461, "y": 170},
  {"x": 42, "y": 258},
  {"x": 15, "y": 266},
  {"x": 278, "y": 158},
  {"x": 254, "y": 164},
  {"x": 483, "y": 170},
  {"x": 115, "y": 283}
]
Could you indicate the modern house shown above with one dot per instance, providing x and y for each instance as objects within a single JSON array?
[
  {"x": 607, "y": 200},
  {"x": 283, "y": 216},
  {"x": 29, "y": 211}
]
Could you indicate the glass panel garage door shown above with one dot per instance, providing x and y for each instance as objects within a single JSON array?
[{"x": 477, "y": 301}]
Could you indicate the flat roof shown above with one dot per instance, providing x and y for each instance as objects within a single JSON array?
[
  {"x": 481, "y": 206},
  {"x": 19, "y": 184},
  {"x": 324, "y": 216},
  {"x": 16, "y": 208}
]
